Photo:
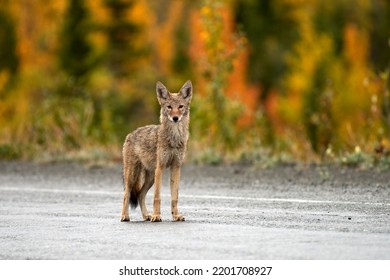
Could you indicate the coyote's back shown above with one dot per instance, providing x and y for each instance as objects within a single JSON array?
[{"x": 150, "y": 149}]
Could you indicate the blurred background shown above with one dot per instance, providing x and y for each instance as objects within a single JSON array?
[{"x": 274, "y": 81}]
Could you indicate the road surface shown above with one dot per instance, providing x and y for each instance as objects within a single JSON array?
[{"x": 71, "y": 211}]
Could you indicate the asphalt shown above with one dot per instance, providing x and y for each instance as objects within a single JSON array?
[{"x": 72, "y": 211}]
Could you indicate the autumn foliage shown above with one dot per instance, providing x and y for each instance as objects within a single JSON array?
[{"x": 273, "y": 80}]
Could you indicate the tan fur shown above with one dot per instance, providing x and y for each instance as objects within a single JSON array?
[{"x": 150, "y": 149}]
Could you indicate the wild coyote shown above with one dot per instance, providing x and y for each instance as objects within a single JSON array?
[{"x": 150, "y": 149}]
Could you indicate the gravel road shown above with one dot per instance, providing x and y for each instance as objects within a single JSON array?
[{"x": 72, "y": 211}]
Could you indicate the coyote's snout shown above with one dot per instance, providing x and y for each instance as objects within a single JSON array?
[{"x": 150, "y": 149}]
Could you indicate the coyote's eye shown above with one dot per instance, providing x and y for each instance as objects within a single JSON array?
[
  {"x": 170, "y": 107},
  {"x": 181, "y": 106}
]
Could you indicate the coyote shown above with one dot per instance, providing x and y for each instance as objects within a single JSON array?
[{"x": 150, "y": 149}]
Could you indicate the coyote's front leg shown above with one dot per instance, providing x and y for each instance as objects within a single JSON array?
[
  {"x": 157, "y": 199},
  {"x": 175, "y": 178}
]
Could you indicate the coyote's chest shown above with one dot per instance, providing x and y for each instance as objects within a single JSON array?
[{"x": 172, "y": 146}]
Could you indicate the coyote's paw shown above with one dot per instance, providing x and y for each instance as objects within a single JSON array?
[
  {"x": 178, "y": 218},
  {"x": 147, "y": 217},
  {"x": 155, "y": 218},
  {"x": 125, "y": 218}
]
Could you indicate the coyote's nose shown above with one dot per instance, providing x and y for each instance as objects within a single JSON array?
[{"x": 175, "y": 119}]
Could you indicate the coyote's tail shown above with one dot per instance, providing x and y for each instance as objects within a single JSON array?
[{"x": 133, "y": 198}]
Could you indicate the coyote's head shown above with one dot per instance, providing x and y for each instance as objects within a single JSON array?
[{"x": 174, "y": 106}]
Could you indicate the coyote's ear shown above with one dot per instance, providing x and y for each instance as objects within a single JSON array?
[
  {"x": 186, "y": 90},
  {"x": 162, "y": 91}
]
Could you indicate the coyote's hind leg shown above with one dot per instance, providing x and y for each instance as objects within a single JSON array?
[
  {"x": 148, "y": 183},
  {"x": 126, "y": 195}
]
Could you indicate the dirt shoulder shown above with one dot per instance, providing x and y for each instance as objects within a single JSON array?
[
  {"x": 278, "y": 181},
  {"x": 306, "y": 175}
]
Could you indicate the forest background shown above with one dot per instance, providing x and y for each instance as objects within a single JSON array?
[{"x": 274, "y": 81}]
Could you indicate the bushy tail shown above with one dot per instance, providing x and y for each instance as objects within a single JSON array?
[
  {"x": 133, "y": 198},
  {"x": 133, "y": 195}
]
